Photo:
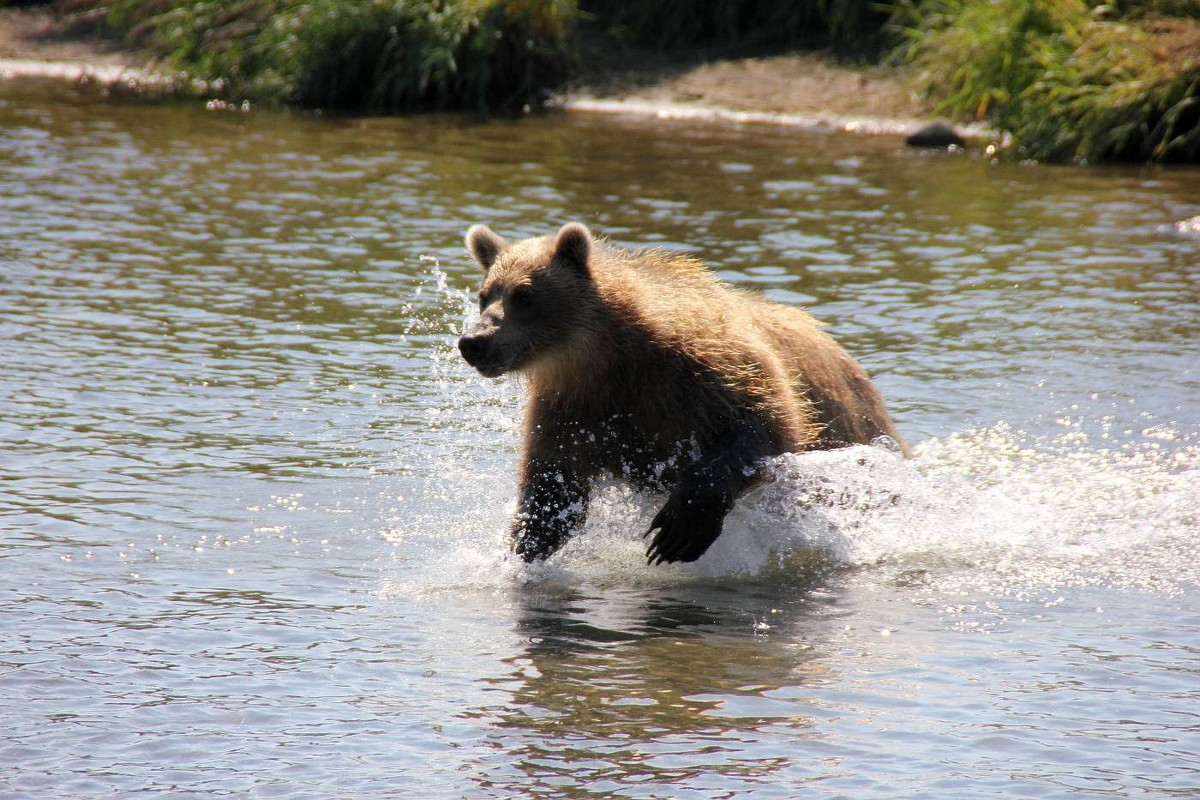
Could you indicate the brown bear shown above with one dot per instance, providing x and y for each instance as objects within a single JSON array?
[{"x": 642, "y": 365}]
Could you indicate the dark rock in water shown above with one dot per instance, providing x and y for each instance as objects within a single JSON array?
[{"x": 935, "y": 134}]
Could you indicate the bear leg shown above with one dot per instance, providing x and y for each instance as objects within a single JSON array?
[{"x": 552, "y": 507}]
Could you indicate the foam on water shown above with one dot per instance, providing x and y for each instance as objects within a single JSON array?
[{"x": 1014, "y": 513}]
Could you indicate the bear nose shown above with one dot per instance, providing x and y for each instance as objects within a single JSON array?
[{"x": 472, "y": 348}]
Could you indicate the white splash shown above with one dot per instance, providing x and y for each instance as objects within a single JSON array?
[{"x": 991, "y": 509}]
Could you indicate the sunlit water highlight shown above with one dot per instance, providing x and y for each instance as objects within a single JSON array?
[{"x": 253, "y": 505}]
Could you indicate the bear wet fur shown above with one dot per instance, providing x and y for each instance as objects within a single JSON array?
[{"x": 642, "y": 365}]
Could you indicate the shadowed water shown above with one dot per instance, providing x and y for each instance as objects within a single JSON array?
[{"x": 252, "y": 505}]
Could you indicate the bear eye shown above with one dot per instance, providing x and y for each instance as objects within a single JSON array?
[{"x": 521, "y": 298}]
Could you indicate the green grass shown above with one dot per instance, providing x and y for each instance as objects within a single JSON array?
[
  {"x": 1070, "y": 81},
  {"x": 387, "y": 55}
]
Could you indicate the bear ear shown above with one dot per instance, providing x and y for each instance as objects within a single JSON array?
[
  {"x": 573, "y": 245},
  {"x": 484, "y": 245}
]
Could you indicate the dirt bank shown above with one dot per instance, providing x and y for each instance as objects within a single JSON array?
[
  {"x": 36, "y": 44},
  {"x": 801, "y": 89}
]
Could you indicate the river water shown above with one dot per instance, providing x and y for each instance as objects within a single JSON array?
[{"x": 252, "y": 504}]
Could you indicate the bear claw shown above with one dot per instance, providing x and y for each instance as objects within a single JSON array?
[{"x": 685, "y": 528}]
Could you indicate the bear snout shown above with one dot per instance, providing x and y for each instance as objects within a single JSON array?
[
  {"x": 473, "y": 348},
  {"x": 477, "y": 350}
]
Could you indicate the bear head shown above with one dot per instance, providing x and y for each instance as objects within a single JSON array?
[{"x": 534, "y": 301}]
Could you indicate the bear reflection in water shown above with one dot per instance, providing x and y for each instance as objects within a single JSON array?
[{"x": 642, "y": 365}]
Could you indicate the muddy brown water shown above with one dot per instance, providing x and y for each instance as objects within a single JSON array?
[{"x": 252, "y": 504}]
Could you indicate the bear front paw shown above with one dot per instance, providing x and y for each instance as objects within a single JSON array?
[
  {"x": 537, "y": 544},
  {"x": 530, "y": 549},
  {"x": 686, "y": 526}
]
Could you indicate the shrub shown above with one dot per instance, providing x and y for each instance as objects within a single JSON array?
[
  {"x": 394, "y": 55},
  {"x": 978, "y": 57},
  {"x": 1130, "y": 92}
]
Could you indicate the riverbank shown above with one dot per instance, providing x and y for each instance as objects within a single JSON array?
[
  {"x": 807, "y": 90},
  {"x": 1067, "y": 81}
]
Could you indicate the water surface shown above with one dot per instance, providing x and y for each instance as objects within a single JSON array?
[{"x": 253, "y": 504}]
